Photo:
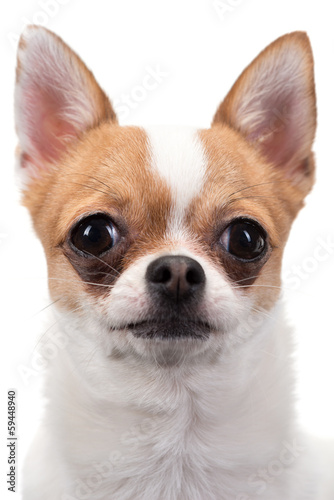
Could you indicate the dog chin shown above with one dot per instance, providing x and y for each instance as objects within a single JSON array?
[
  {"x": 167, "y": 343},
  {"x": 170, "y": 330}
]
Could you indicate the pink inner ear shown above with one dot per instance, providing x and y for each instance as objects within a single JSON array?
[
  {"x": 57, "y": 99},
  {"x": 279, "y": 132},
  {"x": 47, "y": 129}
]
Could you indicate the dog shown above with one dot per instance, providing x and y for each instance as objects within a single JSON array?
[{"x": 174, "y": 380}]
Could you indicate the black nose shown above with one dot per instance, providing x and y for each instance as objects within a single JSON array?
[{"x": 175, "y": 277}]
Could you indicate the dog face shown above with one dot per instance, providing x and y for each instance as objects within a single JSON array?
[{"x": 163, "y": 244}]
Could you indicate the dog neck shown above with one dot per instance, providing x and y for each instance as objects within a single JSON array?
[{"x": 233, "y": 409}]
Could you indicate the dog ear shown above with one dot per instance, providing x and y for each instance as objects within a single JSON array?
[
  {"x": 57, "y": 99},
  {"x": 273, "y": 105}
]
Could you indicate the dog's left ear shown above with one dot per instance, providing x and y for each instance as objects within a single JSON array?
[{"x": 273, "y": 105}]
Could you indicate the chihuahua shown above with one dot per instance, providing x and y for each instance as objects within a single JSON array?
[{"x": 164, "y": 248}]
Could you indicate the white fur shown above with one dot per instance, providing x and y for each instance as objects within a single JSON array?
[
  {"x": 177, "y": 156},
  {"x": 125, "y": 428}
]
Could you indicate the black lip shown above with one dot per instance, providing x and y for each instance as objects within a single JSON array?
[{"x": 167, "y": 330}]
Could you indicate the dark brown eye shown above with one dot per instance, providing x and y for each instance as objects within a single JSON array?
[
  {"x": 94, "y": 235},
  {"x": 244, "y": 239}
]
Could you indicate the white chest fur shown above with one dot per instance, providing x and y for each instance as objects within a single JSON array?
[{"x": 208, "y": 431}]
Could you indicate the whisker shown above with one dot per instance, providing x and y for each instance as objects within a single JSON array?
[
  {"x": 86, "y": 362},
  {"x": 41, "y": 339},
  {"x": 90, "y": 187},
  {"x": 269, "y": 353},
  {"x": 255, "y": 185},
  {"x": 103, "y": 262},
  {"x": 90, "y": 177},
  {"x": 46, "y": 307},
  {"x": 267, "y": 314},
  {"x": 274, "y": 286},
  {"x": 261, "y": 311},
  {"x": 266, "y": 286},
  {"x": 74, "y": 281},
  {"x": 245, "y": 279},
  {"x": 250, "y": 197}
]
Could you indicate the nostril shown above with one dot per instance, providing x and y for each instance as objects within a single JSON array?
[
  {"x": 162, "y": 275},
  {"x": 194, "y": 276}
]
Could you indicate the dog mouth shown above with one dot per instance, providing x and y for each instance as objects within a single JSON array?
[{"x": 170, "y": 329}]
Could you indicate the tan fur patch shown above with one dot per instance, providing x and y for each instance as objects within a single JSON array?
[
  {"x": 241, "y": 184},
  {"x": 105, "y": 172}
]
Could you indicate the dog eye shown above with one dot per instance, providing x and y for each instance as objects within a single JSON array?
[
  {"x": 94, "y": 235},
  {"x": 244, "y": 239}
]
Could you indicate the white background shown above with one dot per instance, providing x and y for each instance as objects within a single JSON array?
[{"x": 201, "y": 54}]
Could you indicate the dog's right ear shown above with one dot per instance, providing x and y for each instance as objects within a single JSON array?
[{"x": 57, "y": 99}]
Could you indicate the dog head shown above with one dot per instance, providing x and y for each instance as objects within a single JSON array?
[{"x": 163, "y": 240}]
